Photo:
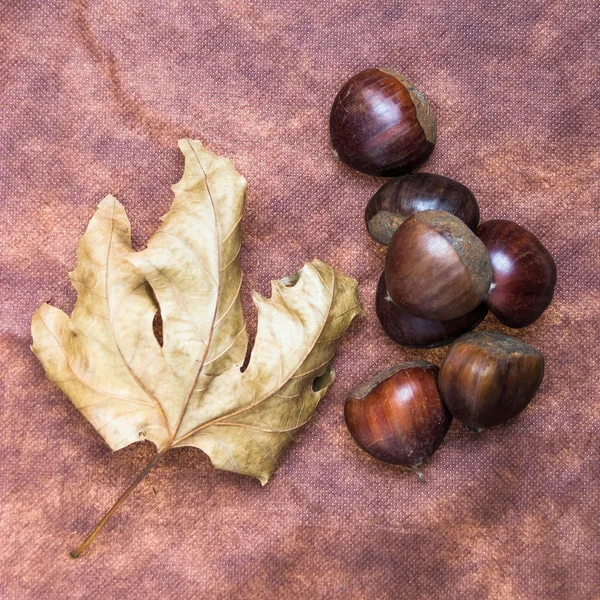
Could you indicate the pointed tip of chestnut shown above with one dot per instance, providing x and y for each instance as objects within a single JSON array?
[
  {"x": 436, "y": 268},
  {"x": 523, "y": 273},
  {"x": 488, "y": 378},
  {"x": 398, "y": 416},
  {"x": 380, "y": 124},
  {"x": 399, "y": 198},
  {"x": 414, "y": 332}
]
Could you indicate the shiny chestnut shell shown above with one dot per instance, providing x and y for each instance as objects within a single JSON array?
[
  {"x": 398, "y": 416},
  {"x": 488, "y": 378},
  {"x": 401, "y": 197},
  {"x": 523, "y": 273},
  {"x": 414, "y": 332},
  {"x": 436, "y": 268},
  {"x": 381, "y": 124}
]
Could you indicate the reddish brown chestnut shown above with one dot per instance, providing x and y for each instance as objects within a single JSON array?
[
  {"x": 523, "y": 273},
  {"x": 381, "y": 124},
  {"x": 414, "y": 332},
  {"x": 488, "y": 378},
  {"x": 402, "y": 197},
  {"x": 436, "y": 268},
  {"x": 398, "y": 416}
]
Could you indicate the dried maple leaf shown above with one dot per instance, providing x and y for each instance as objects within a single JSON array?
[{"x": 190, "y": 391}]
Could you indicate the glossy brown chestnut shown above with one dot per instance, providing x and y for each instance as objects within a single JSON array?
[
  {"x": 398, "y": 416},
  {"x": 523, "y": 273},
  {"x": 488, "y": 378},
  {"x": 381, "y": 124},
  {"x": 402, "y": 197},
  {"x": 436, "y": 268},
  {"x": 414, "y": 332}
]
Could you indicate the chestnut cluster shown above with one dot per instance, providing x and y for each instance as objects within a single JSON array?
[
  {"x": 443, "y": 272},
  {"x": 402, "y": 415}
]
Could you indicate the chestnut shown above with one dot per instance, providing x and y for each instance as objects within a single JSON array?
[
  {"x": 436, "y": 268},
  {"x": 398, "y": 416},
  {"x": 488, "y": 378},
  {"x": 401, "y": 197},
  {"x": 414, "y": 332},
  {"x": 523, "y": 273},
  {"x": 381, "y": 124}
]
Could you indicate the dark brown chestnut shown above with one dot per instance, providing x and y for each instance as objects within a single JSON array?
[
  {"x": 436, "y": 268},
  {"x": 488, "y": 378},
  {"x": 402, "y": 197},
  {"x": 381, "y": 124},
  {"x": 398, "y": 416},
  {"x": 523, "y": 273},
  {"x": 414, "y": 332}
]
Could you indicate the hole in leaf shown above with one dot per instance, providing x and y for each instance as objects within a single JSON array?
[
  {"x": 157, "y": 327},
  {"x": 324, "y": 380},
  {"x": 246, "y": 360},
  {"x": 251, "y": 339}
]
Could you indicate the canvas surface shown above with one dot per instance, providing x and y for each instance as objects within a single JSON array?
[{"x": 93, "y": 97}]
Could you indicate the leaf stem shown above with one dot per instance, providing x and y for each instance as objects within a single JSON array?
[{"x": 90, "y": 538}]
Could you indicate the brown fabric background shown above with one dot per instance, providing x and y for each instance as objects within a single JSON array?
[{"x": 93, "y": 96}]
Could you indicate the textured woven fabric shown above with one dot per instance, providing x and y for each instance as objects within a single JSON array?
[{"x": 94, "y": 95}]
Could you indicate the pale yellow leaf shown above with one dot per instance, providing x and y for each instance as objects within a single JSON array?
[{"x": 191, "y": 390}]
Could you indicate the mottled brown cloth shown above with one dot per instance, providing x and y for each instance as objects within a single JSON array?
[{"x": 93, "y": 97}]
